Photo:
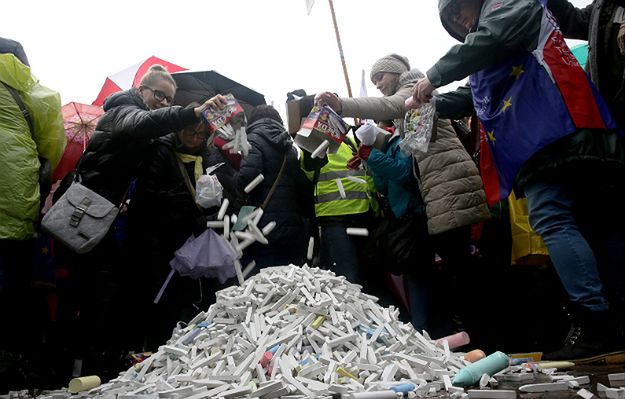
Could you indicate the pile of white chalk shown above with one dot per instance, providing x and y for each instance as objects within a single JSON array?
[{"x": 292, "y": 332}]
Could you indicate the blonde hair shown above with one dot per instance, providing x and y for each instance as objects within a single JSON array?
[{"x": 156, "y": 72}]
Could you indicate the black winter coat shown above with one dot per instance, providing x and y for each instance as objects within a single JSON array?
[
  {"x": 161, "y": 216},
  {"x": 162, "y": 206},
  {"x": 270, "y": 142},
  {"x": 121, "y": 140}
]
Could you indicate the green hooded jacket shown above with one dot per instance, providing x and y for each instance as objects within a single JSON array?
[{"x": 19, "y": 163}]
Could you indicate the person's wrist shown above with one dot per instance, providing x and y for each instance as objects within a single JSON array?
[
  {"x": 339, "y": 105},
  {"x": 364, "y": 151}
]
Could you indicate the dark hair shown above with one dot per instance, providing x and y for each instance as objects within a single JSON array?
[{"x": 264, "y": 111}]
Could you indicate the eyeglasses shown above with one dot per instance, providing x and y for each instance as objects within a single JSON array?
[{"x": 160, "y": 96}]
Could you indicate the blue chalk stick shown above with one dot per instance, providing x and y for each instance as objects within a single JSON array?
[
  {"x": 490, "y": 365},
  {"x": 403, "y": 388}
]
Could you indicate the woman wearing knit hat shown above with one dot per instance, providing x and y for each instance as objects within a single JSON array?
[
  {"x": 448, "y": 179},
  {"x": 385, "y": 75}
]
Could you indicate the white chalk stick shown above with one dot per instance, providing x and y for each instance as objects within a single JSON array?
[
  {"x": 259, "y": 214},
  {"x": 488, "y": 393},
  {"x": 370, "y": 395},
  {"x": 585, "y": 394},
  {"x": 320, "y": 149},
  {"x": 339, "y": 184},
  {"x": 357, "y": 231},
  {"x": 237, "y": 268},
  {"x": 250, "y": 266},
  {"x": 215, "y": 224},
  {"x": 356, "y": 179},
  {"x": 268, "y": 228},
  {"x": 616, "y": 377},
  {"x": 245, "y": 243},
  {"x": 311, "y": 248},
  {"x": 223, "y": 208},
  {"x": 545, "y": 387},
  {"x": 254, "y": 183},
  {"x": 226, "y": 226}
]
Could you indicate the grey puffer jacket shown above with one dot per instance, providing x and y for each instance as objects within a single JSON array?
[
  {"x": 450, "y": 183},
  {"x": 449, "y": 180}
]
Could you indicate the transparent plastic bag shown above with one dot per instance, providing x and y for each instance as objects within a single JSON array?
[
  {"x": 208, "y": 191},
  {"x": 418, "y": 125}
]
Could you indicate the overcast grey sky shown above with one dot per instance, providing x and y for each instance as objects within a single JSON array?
[{"x": 272, "y": 46}]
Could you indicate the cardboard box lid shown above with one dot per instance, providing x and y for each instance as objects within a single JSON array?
[{"x": 297, "y": 110}]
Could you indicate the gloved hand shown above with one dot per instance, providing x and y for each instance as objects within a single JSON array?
[
  {"x": 354, "y": 162},
  {"x": 364, "y": 151}
]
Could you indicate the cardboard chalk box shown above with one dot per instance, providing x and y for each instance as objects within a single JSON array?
[
  {"x": 322, "y": 124},
  {"x": 297, "y": 110},
  {"x": 216, "y": 119}
]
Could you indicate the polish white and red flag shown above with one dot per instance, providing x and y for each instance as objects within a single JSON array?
[{"x": 131, "y": 76}]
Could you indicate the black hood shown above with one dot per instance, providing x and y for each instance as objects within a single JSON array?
[
  {"x": 128, "y": 97},
  {"x": 443, "y": 12},
  {"x": 273, "y": 132}
]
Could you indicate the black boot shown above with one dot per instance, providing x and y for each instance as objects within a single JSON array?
[{"x": 593, "y": 338}]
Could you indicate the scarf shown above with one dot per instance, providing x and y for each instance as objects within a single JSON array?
[{"x": 187, "y": 158}]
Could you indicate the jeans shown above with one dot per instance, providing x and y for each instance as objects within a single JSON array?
[
  {"x": 581, "y": 224},
  {"x": 340, "y": 252},
  {"x": 435, "y": 305},
  {"x": 343, "y": 254}
]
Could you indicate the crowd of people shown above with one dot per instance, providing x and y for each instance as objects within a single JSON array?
[{"x": 541, "y": 128}]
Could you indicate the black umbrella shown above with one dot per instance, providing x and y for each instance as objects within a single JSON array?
[{"x": 202, "y": 85}]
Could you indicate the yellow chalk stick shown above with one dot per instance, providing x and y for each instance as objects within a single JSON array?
[
  {"x": 84, "y": 383},
  {"x": 318, "y": 322}
]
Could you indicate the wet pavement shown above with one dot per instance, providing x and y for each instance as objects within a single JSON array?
[{"x": 597, "y": 374}]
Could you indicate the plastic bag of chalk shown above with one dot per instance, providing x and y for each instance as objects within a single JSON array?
[
  {"x": 208, "y": 191},
  {"x": 418, "y": 126}
]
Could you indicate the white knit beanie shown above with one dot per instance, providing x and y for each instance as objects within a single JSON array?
[{"x": 393, "y": 63}]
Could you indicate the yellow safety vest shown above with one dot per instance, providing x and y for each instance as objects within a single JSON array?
[{"x": 328, "y": 198}]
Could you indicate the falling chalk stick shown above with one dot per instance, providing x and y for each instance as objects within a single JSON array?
[
  {"x": 320, "y": 149},
  {"x": 254, "y": 183}
]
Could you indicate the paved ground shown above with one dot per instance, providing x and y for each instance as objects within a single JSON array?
[{"x": 597, "y": 374}]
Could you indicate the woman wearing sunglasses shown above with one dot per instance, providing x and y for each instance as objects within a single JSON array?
[{"x": 132, "y": 119}]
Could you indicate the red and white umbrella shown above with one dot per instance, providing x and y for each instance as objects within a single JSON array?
[
  {"x": 131, "y": 76},
  {"x": 79, "y": 121}
]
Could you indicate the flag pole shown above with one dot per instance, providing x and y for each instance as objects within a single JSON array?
[{"x": 338, "y": 41}]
